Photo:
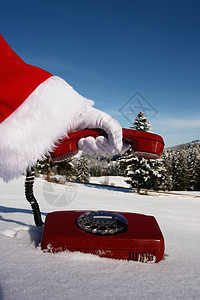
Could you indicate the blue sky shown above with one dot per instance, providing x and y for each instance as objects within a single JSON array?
[{"x": 125, "y": 55}]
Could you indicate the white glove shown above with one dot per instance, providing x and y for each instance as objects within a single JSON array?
[{"x": 92, "y": 119}]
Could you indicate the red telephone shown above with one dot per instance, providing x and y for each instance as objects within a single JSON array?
[
  {"x": 143, "y": 144},
  {"x": 118, "y": 235}
]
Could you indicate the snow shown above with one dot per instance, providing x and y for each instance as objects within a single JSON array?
[
  {"x": 28, "y": 273},
  {"x": 112, "y": 180}
]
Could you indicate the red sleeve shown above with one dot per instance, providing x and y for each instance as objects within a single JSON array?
[{"x": 17, "y": 80}]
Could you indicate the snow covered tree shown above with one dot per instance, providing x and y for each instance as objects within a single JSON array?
[
  {"x": 167, "y": 163},
  {"x": 65, "y": 168},
  {"x": 44, "y": 167},
  {"x": 123, "y": 161},
  {"x": 49, "y": 168},
  {"x": 162, "y": 169},
  {"x": 197, "y": 175},
  {"x": 82, "y": 171},
  {"x": 141, "y": 123},
  {"x": 180, "y": 171},
  {"x": 141, "y": 172},
  {"x": 194, "y": 168},
  {"x": 138, "y": 170}
]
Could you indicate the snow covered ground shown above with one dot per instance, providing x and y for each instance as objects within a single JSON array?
[
  {"x": 28, "y": 273},
  {"x": 110, "y": 180}
]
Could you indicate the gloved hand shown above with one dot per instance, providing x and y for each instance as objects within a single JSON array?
[{"x": 92, "y": 119}]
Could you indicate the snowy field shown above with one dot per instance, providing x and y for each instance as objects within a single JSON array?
[
  {"x": 110, "y": 180},
  {"x": 28, "y": 273}
]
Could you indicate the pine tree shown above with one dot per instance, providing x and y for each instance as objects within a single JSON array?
[
  {"x": 44, "y": 167},
  {"x": 66, "y": 168},
  {"x": 82, "y": 171},
  {"x": 141, "y": 123},
  {"x": 163, "y": 179},
  {"x": 123, "y": 161},
  {"x": 167, "y": 162},
  {"x": 138, "y": 169},
  {"x": 194, "y": 168},
  {"x": 197, "y": 175},
  {"x": 181, "y": 174}
]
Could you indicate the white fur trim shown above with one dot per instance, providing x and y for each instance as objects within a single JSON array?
[{"x": 32, "y": 131}]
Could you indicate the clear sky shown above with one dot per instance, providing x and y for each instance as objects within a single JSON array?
[{"x": 125, "y": 55}]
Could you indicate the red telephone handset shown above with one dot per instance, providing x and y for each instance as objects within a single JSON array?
[{"x": 143, "y": 144}]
